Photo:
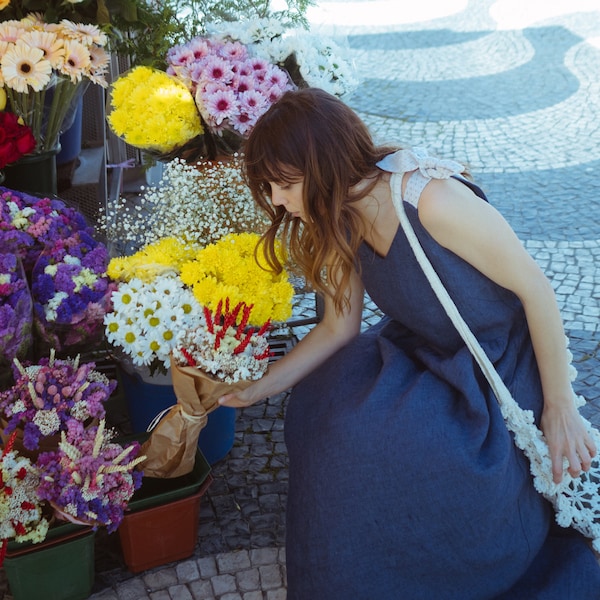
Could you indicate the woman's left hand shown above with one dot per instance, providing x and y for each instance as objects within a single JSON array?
[{"x": 567, "y": 437}]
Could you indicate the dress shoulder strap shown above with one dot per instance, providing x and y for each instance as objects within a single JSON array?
[{"x": 423, "y": 167}]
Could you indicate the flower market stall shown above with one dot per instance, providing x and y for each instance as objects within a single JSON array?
[{"x": 164, "y": 303}]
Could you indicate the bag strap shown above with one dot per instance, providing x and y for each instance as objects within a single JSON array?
[
  {"x": 500, "y": 390},
  {"x": 576, "y": 500}
]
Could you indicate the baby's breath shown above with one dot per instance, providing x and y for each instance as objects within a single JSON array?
[{"x": 193, "y": 203}]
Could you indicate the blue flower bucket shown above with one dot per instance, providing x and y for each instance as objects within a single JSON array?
[{"x": 146, "y": 400}]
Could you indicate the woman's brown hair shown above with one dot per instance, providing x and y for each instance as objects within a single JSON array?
[{"x": 313, "y": 135}]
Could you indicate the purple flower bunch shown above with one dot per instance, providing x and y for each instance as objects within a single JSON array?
[
  {"x": 232, "y": 89},
  {"x": 29, "y": 223},
  {"x": 15, "y": 311},
  {"x": 88, "y": 478},
  {"x": 48, "y": 397},
  {"x": 71, "y": 291}
]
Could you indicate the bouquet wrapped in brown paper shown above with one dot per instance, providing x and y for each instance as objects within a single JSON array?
[{"x": 221, "y": 356}]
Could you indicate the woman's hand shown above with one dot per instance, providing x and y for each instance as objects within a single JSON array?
[
  {"x": 236, "y": 400},
  {"x": 568, "y": 438}
]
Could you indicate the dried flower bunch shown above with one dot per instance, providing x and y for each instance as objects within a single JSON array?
[
  {"x": 28, "y": 224},
  {"x": 89, "y": 478},
  {"x": 224, "y": 346},
  {"x": 15, "y": 311},
  {"x": 21, "y": 516},
  {"x": 49, "y": 396},
  {"x": 192, "y": 205},
  {"x": 71, "y": 292}
]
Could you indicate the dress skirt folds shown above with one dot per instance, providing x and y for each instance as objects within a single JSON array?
[{"x": 404, "y": 482}]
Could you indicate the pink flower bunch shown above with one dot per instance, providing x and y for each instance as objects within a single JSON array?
[
  {"x": 232, "y": 89},
  {"x": 90, "y": 479}
]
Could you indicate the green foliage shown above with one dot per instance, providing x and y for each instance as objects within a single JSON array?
[
  {"x": 161, "y": 24},
  {"x": 145, "y": 29}
]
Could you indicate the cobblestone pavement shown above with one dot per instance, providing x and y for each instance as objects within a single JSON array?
[{"x": 510, "y": 88}]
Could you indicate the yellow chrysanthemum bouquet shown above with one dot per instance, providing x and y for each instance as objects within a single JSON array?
[
  {"x": 154, "y": 111},
  {"x": 203, "y": 312},
  {"x": 45, "y": 68}
]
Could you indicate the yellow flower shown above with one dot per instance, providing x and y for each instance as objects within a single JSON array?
[
  {"x": 228, "y": 269},
  {"x": 166, "y": 255},
  {"x": 152, "y": 110}
]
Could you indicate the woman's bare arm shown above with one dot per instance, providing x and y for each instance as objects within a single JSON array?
[
  {"x": 328, "y": 336},
  {"x": 475, "y": 231}
]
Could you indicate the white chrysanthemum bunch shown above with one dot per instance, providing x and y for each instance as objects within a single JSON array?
[
  {"x": 311, "y": 59},
  {"x": 147, "y": 317},
  {"x": 192, "y": 204}
]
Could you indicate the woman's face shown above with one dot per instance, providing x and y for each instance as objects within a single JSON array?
[{"x": 289, "y": 195}]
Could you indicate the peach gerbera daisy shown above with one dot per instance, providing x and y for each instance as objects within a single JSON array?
[
  {"x": 99, "y": 61},
  {"x": 23, "y": 66},
  {"x": 77, "y": 60},
  {"x": 49, "y": 43},
  {"x": 86, "y": 34},
  {"x": 9, "y": 32}
]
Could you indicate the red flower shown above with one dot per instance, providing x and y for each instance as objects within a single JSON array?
[{"x": 15, "y": 139}]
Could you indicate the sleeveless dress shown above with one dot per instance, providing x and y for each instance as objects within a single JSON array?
[{"x": 404, "y": 482}]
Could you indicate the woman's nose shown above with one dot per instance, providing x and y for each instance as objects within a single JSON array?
[{"x": 277, "y": 198}]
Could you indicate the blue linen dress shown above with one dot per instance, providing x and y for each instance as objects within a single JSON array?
[{"x": 405, "y": 483}]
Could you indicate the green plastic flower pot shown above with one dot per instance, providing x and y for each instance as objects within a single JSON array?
[{"x": 60, "y": 569}]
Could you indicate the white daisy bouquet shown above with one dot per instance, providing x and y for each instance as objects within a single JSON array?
[
  {"x": 44, "y": 68},
  {"x": 151, "y": 304}
]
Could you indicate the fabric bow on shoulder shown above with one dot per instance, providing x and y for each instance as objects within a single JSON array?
[{"x": 407, "y": 160}]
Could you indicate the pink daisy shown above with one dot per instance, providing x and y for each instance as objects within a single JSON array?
[
  {"x": 198, "y": 48},
  {"x": 220, "y": 105},
  {"x": 252, "y": 102},
  {"x": 258, "y": 64},
  {"x": 179, "y": 56},
  {"x": 243, "y": 123},
  {"x": 217, "y": 69},
  {"x": 234, "y": 51},
  {"x": 243, "y": 83}
]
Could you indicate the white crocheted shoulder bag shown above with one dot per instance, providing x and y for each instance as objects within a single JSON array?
[{"x": 576, "y": 500}]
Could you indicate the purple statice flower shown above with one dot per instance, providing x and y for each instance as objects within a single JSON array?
[
  {"x": 15, "y": 311},
  {"x": 28, "y": 224},
  {"x": 47, "y": 397},
  {"x": 88, "y": 477},
  {"x": 70, "y": 287}
]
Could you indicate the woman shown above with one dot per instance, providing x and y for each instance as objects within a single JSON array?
[{"x": 404, "y": 481}]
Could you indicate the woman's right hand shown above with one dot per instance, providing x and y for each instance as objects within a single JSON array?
[{"x": 236, "y": 400}]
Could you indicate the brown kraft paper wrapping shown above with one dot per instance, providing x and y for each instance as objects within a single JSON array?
[{"x": 171, "y": 448}]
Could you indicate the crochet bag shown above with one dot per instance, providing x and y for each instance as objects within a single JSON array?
[{"x": 576, "y": 500}]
